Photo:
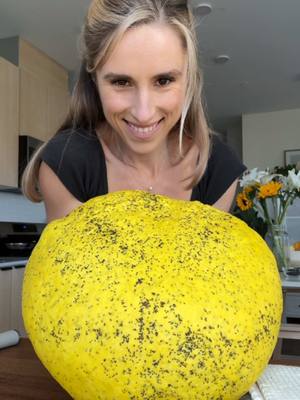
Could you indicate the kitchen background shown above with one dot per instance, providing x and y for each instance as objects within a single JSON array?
[
  {"x": 251, "y": 61},
  {"x": 253, "y": 99}
]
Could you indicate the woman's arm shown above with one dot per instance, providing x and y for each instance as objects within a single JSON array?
[
  {"x": 225, "y": 201},
  {"x": 58, "y": 200}
]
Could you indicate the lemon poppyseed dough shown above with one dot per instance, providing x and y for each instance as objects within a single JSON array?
[{"x": 135, "y": 296}]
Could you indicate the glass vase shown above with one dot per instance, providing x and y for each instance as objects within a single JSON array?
[{"x": 278, "y": 241}]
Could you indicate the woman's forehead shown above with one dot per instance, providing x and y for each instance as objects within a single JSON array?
[{"x": 156, "y": 47}]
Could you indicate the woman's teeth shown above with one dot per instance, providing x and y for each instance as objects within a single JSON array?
[{"x": 147, "y": 129}]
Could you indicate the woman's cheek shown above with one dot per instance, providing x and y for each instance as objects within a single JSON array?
[
  {"x": 114, "y": 102},
  {"x": 174, "y": 100}
]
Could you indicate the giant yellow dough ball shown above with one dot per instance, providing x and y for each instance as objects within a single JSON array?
[{"x": 135, "y": 296}]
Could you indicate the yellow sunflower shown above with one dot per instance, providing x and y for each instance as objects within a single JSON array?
[
  {"x": 270, "y": 189},
  {"x": 248, "y": 189},
  {"x": 243, "y": 201}
]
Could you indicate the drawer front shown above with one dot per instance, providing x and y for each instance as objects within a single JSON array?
[
  {"x": 5, "y": 299},
  {"x": 16, "y": 300},
  {"x": 292, "y": 305},
  {"x": 11, "y": 281}
]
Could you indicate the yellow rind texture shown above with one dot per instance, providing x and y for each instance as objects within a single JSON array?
[{"x": 135, "y": 296}]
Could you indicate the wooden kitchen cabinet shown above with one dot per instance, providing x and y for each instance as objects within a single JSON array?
[
  {"x": 16, "y": 300},
  {"x": 44, "y": 98},
  {"x": 34, "y": 99},
  {"x": 33, "y": 110},
  {"x": 11, "y": 281},
  {"x": 9, "y": 123},
  {"x": 5, "y": 299}
]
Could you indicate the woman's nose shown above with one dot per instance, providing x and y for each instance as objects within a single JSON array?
[{"x": 143, "y": 109}]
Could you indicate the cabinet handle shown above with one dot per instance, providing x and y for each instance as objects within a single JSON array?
[{"x": 5, "y": 268}]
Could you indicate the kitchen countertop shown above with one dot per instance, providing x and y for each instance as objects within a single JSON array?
[
  {"x": 17, "y": 263},
  {"x": 292, "y": 282},
  {"x": 23, "y": 377}
]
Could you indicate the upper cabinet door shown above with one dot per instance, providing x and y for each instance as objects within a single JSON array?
[
  {"x": 33, "y": 105},
  {"x": 44, "y": 93},
  {"x": 9, "y": 123},
  {"x": 34, "y": 98}
]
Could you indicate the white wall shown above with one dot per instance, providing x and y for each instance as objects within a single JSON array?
[
  {"x": 267, "y": 135},
  {"x": 16, "y": 208}
]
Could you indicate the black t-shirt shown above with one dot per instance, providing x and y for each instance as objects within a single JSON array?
[{"x": 77, "y": 158}]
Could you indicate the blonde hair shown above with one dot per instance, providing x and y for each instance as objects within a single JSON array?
[{"x": 106, "y": 23}]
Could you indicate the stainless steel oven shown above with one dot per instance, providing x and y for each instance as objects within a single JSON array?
[
  {"x": 17, "y": 241},
  {"x": 27, "y": 147}
]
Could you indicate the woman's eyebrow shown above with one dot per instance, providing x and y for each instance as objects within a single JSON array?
[
  {"x": 114, "y": 76},
  {"x": 111, "y": 76}
]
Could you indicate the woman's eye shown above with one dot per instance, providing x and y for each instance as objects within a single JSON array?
[
  {"x": 120, "y": 82},
  {"x": 165, "y": 81}
]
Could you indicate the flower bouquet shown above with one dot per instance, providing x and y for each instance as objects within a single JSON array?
[{"x": 266, "y": 196}]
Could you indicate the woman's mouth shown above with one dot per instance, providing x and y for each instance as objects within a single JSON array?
[{"x": 143, "y": 132}]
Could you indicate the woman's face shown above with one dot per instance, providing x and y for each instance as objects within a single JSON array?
[{"x": 142, "y": 86}]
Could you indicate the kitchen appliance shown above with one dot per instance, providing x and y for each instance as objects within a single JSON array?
[
  {"x": 17, "y": 240},
  {"x": 27, "y": 147}
]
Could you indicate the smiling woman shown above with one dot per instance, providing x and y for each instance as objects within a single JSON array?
[
  {"x": 136, "y": 119},
  {"x": 142, "y": 105}
]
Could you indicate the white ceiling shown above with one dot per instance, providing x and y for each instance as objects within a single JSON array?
[{"x": 262, "y": 38}]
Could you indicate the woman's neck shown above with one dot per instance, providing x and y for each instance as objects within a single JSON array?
[{"x": 149, "y": 165}]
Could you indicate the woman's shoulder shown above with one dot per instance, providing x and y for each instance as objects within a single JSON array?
[
  {"x": 72, "y": 146},
  {"x": 77, "y": 158},
  {"x": 223, "y": 167},
  {"x": 74, "y": 142},
  {"x": 74, "y": 136}
]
